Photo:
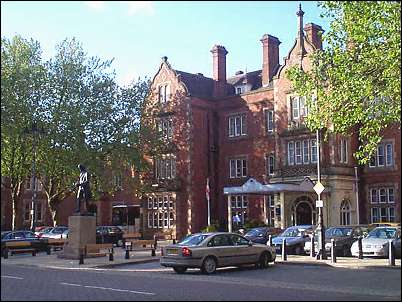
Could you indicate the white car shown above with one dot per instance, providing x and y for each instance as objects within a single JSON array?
[
  {"x": 373, "y": 244},
  {"x": 56, "y": 233}
]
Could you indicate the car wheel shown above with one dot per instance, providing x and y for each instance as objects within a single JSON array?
[
  {"x": 263, "y": 262},
  {"x": 180, "y": 269},
  {"x": 209, "y": 266}
]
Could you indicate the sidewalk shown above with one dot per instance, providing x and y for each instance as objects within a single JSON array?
[
  {"x": 344, "y": 262},
  {"x": 52, "y": 261}
]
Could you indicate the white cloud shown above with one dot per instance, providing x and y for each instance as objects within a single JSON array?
[
  {"x": 96, "y": 5},
  {"x": 135, "y": 7}
]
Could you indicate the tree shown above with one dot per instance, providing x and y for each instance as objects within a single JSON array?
[
  {"x": 357, "y": 78},
  {"x": 88, "y": 119},
  {"x": 22, "y": 73}
]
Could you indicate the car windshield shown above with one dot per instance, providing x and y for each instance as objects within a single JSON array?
[
  {"x": 337, "y": 232},
  {"x": 291, "y": 233},
  {"x": 383, "y": 233},
  {"x": 47, "y": 230},
  {"x": 30, "y": 235},
  {"x": 193, "y": 239},
  {"x": 255, "y": 232}
]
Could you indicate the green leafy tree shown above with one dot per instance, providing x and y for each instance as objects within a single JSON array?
[
  {"x": 356, "y": 79},
  {"x": 22, "y": 75}
]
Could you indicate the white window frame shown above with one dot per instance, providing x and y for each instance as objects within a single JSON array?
[
  {"x": 373, "y": 209},
  {"x": 380, "y": 155},
  {"x": 298, "y": 153},
  {"x": 313, "y": 150},
  {"x": 150, "y": 202},
  {"x": 374, "y": 196},
  {"x": 118, "y": 180},
  {"x": 389, "y": 199},
  {"x": 291, "y": 153},
  {"x": 237, "y": 168},
  {"x": 237, "y": 125},
  {"x": 150, "y": 220},
  {"x": 270, "y": 164},
  {"x": 306, "y": 152},
  {"x": 345, "y": 213},
  {"x": 389, "y": 154},
  {"x": 38, "y": 211},
  {"x": 164, "y": 93},
  {"x": 270, "y": 122},
  {"x": 295, "y": 108},
  {"x": 382, "y": 195}
]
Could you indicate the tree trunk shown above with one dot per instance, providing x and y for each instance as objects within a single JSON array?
[{"x": 17, "y": 207}]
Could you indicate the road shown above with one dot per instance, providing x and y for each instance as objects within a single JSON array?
[{"x": 150, "y": 282}]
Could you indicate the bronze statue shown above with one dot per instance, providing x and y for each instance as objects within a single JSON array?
[{"x": 84, "y": 189}]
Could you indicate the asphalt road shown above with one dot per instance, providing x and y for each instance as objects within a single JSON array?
[{"x": 143, "y": 282}]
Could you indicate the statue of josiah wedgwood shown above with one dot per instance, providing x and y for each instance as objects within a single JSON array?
[{"x": 84, "y": 189}]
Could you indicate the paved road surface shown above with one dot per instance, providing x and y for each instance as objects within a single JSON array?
[{"x": 151, "y": 282}]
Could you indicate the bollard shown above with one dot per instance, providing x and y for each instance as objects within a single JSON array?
[
  {"x": 312, "y": 248},
  {"x": 5, "y": 253},
  {"x": 111, "y": 256},
  {"x": 155, "y": 241},
  {"x": 48, "y": 250},
  {"x": 284, "y": 256},
  {"x": 34, "y": 253},
  {"x": 81, "y": 257},
  {"x": 333, "y": 252},
  {"x": 174, "y": 241},
  {"x": 270, "y": 240},
  {"x": 153, "y": 253},
  {"x": 127, "y": 253},
  {"x": 391, "y": 253},
  {"x": 360, "y": 244}
]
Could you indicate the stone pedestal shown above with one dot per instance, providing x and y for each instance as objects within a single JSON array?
[{"x": 82, "y": 231}]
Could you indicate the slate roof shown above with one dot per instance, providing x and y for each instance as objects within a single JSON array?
[
  {"x": 197, "y": 84},
  {"x": 201, "y": 86}
]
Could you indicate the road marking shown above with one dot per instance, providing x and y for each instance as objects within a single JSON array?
[
  {"x": 70, "y": 284},
  {"x": 12, "y": 277},
  {"x": 109, "y": 288},
  {"x": 120, "y": 290}
]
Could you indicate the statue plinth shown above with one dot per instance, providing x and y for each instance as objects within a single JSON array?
[{"x": 82, "y": 231}]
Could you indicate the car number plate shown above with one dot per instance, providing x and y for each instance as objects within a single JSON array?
[{"x": 172, "y": 252}]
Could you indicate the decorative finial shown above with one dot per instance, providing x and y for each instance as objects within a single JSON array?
[
  {"x": 164, "y": 59},
  {"x": 300, "y": 12}
]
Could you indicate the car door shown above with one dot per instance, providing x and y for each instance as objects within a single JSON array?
[
  {"x": 222, "y": 247},
  {"x": 243, "y": 252}
]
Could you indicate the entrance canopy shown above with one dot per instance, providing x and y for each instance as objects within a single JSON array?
[{"x": 252, "y": 186}]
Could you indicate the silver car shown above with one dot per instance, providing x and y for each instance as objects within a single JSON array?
[
  {"x": 208, "y": 251},
  {"x": 374, "y": 243}
]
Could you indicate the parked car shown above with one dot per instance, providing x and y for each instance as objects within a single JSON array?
[
  {"x": 43, "y": 231},
  {"x": 261, "y": 234},
  {"x": 373, "y": 244},
  {"x": 344, "y": 237},
  {"x": 23, "y": 235},
  {"x": 208, "y": 251},
  {"x": 56, "y": 232},
  {"x": 109, "y": 234},
  {"x": 397, "y": 245},
  {"x": 296, "y": 236}
]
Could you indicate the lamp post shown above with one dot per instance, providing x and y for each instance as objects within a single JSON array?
[
  {"x": 34, "y": 131},
  {"x": 319, "y": 188}
]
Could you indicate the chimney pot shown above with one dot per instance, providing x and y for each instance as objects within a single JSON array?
[{"x": 270, "y": 57}]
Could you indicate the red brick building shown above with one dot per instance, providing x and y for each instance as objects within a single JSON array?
[{"x": 250, "y": 125}]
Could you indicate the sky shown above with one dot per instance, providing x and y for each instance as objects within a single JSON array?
[{"x": 137, "y": 34}]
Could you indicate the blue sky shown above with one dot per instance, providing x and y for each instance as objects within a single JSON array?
[{"x": 138, "y": 33}]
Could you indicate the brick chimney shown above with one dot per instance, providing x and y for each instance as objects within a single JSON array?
[
  {"x": 219, "y": 69},
  {"x": 313, "y": 33},
  {"x": 270, "y": 57}
]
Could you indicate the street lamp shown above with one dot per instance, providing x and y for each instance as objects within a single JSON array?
[
  {"x": 319, "y": 188},
  {"x": 34, "y": 131}
]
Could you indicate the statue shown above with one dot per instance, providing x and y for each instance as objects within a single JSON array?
[{"x": 84, "y": 190}]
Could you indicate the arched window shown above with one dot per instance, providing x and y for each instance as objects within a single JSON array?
[{"x": 345, "y": 212}]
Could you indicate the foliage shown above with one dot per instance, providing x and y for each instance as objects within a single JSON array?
[
  {"x": 253, "y": 223},
  {"x": 357, "y": 78},
  {"x": 88, "y": 118},
  {"x": 213, "y": 227}
]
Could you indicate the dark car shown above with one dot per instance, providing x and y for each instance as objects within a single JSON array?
[
  {"x": 23, "y": 235},
  {"x": 295, "y": 237},
  {"x": 397, "y": 245},
  {"x": 109, "y": 234},
  {"x": 261, "y": 234},
  {"x": 344, "y": 236}
]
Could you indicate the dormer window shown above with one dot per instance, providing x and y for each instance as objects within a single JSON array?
[
  {"x": 164, "y": 93},
  {"x": 239, "y": 90}
]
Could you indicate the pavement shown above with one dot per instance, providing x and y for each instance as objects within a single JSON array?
[{"x": 136, "y": 257}]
